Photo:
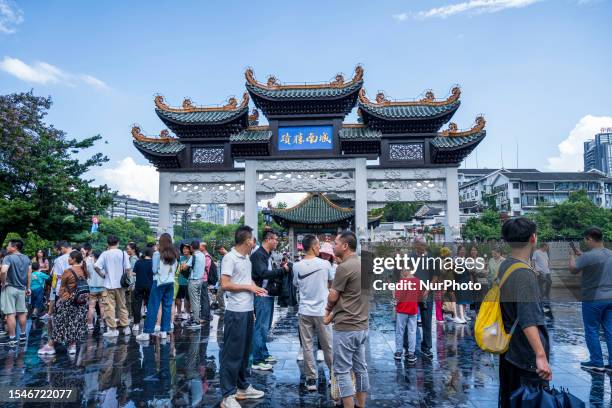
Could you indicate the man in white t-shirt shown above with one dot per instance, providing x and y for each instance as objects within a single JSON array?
[
  {"x": 239, "y": 289},
  {"x": 312, "y": 275},
  {"x": 111, "y": 264},
  {"x": 60, "y": 264}
]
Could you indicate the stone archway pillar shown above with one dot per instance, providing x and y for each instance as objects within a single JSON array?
[
  {"x": 452, "y": 227},
  {"x": 165, "y": 215},
  {"x": 361, "y": 200},
  {"x": 250, "y": 195}
]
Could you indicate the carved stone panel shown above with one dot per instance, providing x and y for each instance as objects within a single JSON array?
[
  {"x": 207, "y": 197},
  {"x": 202, "y": 187},
  {"x": 406, "y": 174},
  {"x": 406, "y": 151},
  {"x": 207, "y": 155},
  {"x": 300, "y": 165},
  {"x": 207, "y": 177},
  {"x": 421, "y": 195},
  {"x": 405, "y": 184},
  {"x": 295, "y": 185}
]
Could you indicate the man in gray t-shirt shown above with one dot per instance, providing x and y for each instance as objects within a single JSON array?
[
  {"x": 596, "y": 268},
  {"x": 15, "y": 278},
  {"x": 238, "y": 322}
]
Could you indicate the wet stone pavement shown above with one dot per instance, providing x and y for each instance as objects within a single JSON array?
[{"x": 183, "y": 371}]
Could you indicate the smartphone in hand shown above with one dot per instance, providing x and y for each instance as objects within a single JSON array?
[{"x": 573, "y": 247}]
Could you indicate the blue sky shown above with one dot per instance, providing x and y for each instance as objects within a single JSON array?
[{"x": 539, "y": 70}]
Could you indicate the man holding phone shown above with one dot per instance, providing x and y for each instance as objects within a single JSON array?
[{"x": 596, "y": 268}]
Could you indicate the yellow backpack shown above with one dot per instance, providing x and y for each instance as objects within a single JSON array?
[{"x": 489, "y": 328}]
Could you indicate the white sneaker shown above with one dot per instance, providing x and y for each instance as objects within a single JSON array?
[
  {"x": 72, "y": 349},
  {"x": 320, "y": 356},
  {"x": 460, "y": 321},
  {"x": 111, "y": 333},
  {"x": 249, "y": 393},
  {"x": 300, "y": 356},
  {"x": 157, "y": 328},
  {"x": 172, "y": 326},
  {"x": 163, "y": 335},
  {"x": 90, "y": 327},
  {"x": 262, "y": 366},
  {"x": 127, "y": 331},
  {"x": 46, "y": 350},
  {"x": 184, "y": 316},
  {"x": 230, "y": 402},
  {"x": 143, "y": 337},
  {"x": 136, "y": 328}
]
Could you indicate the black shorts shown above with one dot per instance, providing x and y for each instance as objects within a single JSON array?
[{"x": 182, "y": 292}]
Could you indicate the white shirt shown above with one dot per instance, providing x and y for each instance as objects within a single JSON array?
[
  {"x": 540, "y": 261},
  {"x": 113, "y": 262},
  {"x": 59, "y": 266},
  {"x": 238, "y": 267},
  {"x": 311, "y": 277}
]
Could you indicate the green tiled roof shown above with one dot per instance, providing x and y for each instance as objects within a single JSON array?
[
  {"x": 362, "y": 132},
  {"x": 401, "y": 112},
  {"x": 157, "y": 148},
  {"x": 452, "y": 142},
  {"x": 205, "y": 117},
  {"x": 314, "y": 209},
  {"x": 305, "y": 93},
  {"x": 252, "y": 135}
]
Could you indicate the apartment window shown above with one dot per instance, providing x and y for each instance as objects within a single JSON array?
[
  {"x": 546, "y": 186},
  {"x": 516, "y": 200},
  {"x": 515, "y": 186}
]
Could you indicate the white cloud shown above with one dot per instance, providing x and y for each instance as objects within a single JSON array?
[
  {"x": 133, "y": 179},
  {"x": 93, "y": 81},
  {"x": 470, "y": 6},
  {"x": 401, "y": 16},
  {"x": 44, "y": 73},
  {"x": 40, "y": 72},
  {"x": 10, "y": 16},
  {"x": 571, "y": 149}
]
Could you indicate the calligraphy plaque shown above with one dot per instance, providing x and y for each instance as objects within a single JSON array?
[{"x": 300, "y": 138}]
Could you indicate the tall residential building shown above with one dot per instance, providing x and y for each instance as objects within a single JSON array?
[
  {"x": 598, "y": 152},
  {"x": 129, "y": 208}
]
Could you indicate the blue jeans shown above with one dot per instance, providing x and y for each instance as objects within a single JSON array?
[
  {"x": 159, "y": 294},
  {"x": 37, "y": 299},
  {"x": 264, "y": 308},
  {"x": 594, "y": 315}
]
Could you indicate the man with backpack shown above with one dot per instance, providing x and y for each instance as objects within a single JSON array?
[
  {"x": 526, "y": 360},
  {"x": 197, "y": 284}
]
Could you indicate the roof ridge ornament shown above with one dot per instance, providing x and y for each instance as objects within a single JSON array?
[
  {"x": 273, "y": 83},
  {"x": 164, "y": 136},
  {"x": 429, "y": 99},
  {"x": 310, "y": 196},
  {"x": 453, "y": 131},
  {"x": 188, "y": 107}
]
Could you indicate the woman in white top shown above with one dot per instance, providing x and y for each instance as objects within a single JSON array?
[{"x": 165, "y": 262}]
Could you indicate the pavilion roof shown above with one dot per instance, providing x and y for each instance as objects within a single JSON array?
[
  {"x": 358, "y": 132},
  {"x": 316, "y": 208},
  {"x": 161, "y": 151},
  {"x": 253, "y": 134},
  {"x": 189, "y": 114},
  {"x": 426, "y": 107},
  {"x": 452, "y": 145}
]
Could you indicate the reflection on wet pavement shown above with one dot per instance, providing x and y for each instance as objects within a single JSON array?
[{"x": 183, "y": 371}]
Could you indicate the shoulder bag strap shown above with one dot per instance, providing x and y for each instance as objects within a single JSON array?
[{"x": 511, "y": 269}]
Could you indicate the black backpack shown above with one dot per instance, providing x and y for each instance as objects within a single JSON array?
[
  {"x": 80, "y": 296},
  {"x": 213, "y": 274}
]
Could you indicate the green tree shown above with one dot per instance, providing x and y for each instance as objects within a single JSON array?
[
  {"x": 136, "y": 230},
  {"x": 398, "y": 211},
  {"x": 487, "y": 226},
  {"x": 31, "y": 243},
  {"x": 281, "y": 204},
  {"x": 42, "y": 189}
]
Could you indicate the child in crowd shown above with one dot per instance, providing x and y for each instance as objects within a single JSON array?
[
  {"x": 407, "y": 298},
  {"x": 37, "y": 286}
]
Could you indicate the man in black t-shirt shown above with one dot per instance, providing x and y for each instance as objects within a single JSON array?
[{"x": 526, "y": 360}]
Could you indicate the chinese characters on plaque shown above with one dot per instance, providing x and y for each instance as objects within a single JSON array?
[{"x": 305, "y": 138}]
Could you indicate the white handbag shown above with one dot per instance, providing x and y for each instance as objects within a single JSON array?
[{"x": 165, "y": 275}]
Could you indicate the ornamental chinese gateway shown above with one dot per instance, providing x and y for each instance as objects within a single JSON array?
[{"x": 307, "y": 147}]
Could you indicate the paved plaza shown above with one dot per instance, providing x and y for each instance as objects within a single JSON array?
[{"x": 184, "y": 371}]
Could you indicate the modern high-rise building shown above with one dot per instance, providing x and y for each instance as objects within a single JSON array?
[
  {"x": 129, "y": 208},
  {"x": 598, "y": 152}
]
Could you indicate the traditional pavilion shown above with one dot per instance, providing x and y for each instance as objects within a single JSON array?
[{"x": 307, "y": 140}]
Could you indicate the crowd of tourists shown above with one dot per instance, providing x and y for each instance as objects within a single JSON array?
[{"x": 125, "y": 291}]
